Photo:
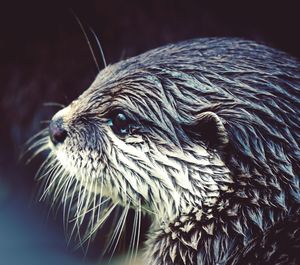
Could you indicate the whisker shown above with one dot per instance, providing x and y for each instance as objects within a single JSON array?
[
  {"x": 99, "y": 46},
  {"x": 86, "y": 38},
  {"x": 138, "y": 230},
  {"x": 36, "y": 135},
  {"x": 101, "y": 192},
  {"x": 54, "y": 104},
  {"x": 44, "y": 169},
  {"x": 69, "y": 209},
  {"x": 98, "y": 207},
  {"x": 99, "y": 223},
  {"x": 65, "y": 200},
  {"x": 115, "y": 233},
  {"x": 48, "y": 171},
  {"x": 47, "y": 164},
  {"x": 45, "y": 122},
  {"x": 31, "y": 143},
  {"x": 90, "y": 210},
  {"x": 135, "y": 235},
  {"x": 88, "y": 201},
  {"x": 50, "y": 179},
  {"x": 80, "y": 204},
  {"x": 92, "y": 219},
  {"x": 42, "y": 141},
  {"x": 80, "y": 199},
  {"x": 59, "y": 186},
  {"x": 118, "y": 231},
  {"x": 133, "y": 238},
  {"x": 36, "y": 153}
]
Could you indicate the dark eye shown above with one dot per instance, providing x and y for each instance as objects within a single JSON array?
[{"x": 119, "y": 123}]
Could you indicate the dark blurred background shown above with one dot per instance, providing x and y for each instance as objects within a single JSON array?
[{"x": 44, "y": 57}]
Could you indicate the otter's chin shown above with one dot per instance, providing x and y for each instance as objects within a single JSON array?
[{"x": 80, "y": 168}]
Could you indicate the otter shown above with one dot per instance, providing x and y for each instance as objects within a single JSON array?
[{"x": 201, "y": 135}]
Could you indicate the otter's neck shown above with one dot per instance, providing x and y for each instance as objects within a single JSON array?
[
  {"x": 210, "y": 235},
  {"x": 190, "y": 239},
  {"x": 196, "y": 180},
  {"x": 188, "y": 219}
]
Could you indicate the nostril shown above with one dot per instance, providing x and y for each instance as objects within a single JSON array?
[{"x": 57, "y": 133}]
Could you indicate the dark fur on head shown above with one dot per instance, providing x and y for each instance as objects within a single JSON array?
[{"x": 222, "y": 112}]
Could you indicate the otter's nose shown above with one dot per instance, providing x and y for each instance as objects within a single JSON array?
[{"x": 57, "y": 133}]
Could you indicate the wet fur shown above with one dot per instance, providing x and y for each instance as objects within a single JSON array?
[{"x": 214, "y": 157}]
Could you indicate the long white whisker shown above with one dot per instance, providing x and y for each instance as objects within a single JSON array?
[
  {"x": 53, "y": 104},
  {"x": 83, "y": 200},
  {"x": 46, "y": 166},
  {"x": 100, "y": 47},
  {"x": 80, "y": 201},
  {"x": 51, "y": 180},
  {"x": 38, "y": 134},
  {"x": 44, "y": 147},
  {"x": 99, "y": 223},
  {"x": 87, "y": 39},
  {"x": 118, "y": 231},
  {"x": 84, "y": 207},
  {"x": 133, "y": 238},
  {"x": 69, "y": 209},
  {"x": 32, "y": 145},
  {"x": 95, "y": 206},
  {"x": 82, "y": 212},
  {"x": 101, "y": 192},
  {"x": 89, "y": 210},
  {"x": 65, "y": 201},
  {"x": 138, "y": 229},
  {"x": 63, "y": 179}
]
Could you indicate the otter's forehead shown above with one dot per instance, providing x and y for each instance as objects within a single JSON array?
[
  {"x": 138, "y": 93},
  {"x": 194, "y": 70}
]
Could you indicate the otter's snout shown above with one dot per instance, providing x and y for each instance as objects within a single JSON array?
[{"x": 57, "y": 133}]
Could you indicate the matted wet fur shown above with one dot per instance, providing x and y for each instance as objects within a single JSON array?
[{"x": 202, "y": 135}]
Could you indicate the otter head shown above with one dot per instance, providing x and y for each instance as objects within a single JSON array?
[{"x": 130, "y": 138}]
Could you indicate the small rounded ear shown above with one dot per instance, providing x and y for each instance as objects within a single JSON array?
[{"x": 210, "y": 127}]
